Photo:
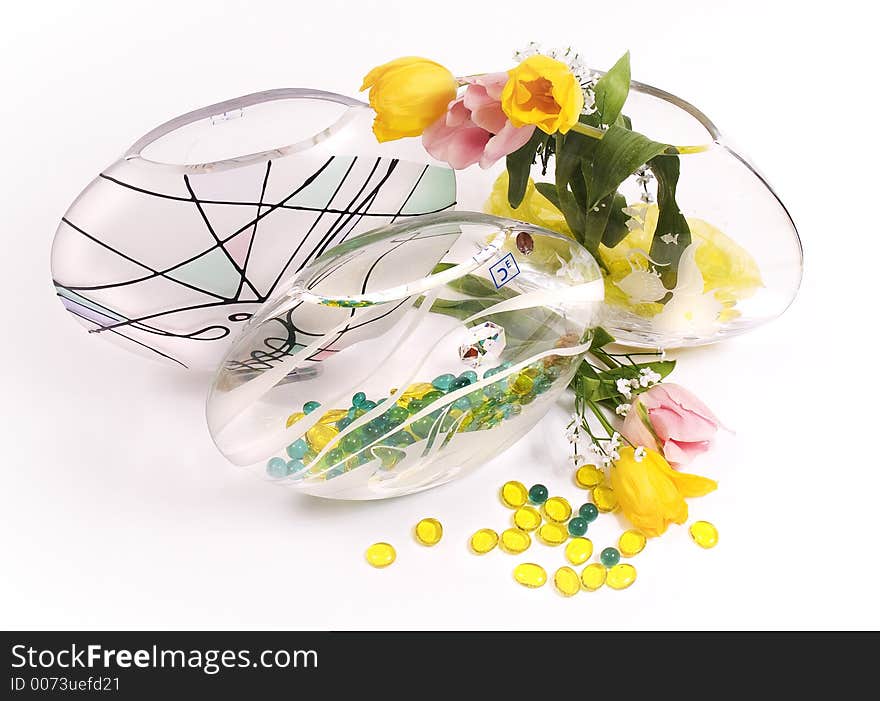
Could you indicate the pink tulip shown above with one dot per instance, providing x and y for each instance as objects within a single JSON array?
[
  {"x": 475, "y": 128},
  {"x": 669, "y": 419}
]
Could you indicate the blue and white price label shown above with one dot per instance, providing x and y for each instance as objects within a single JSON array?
[{"x": 504, "y": 270}]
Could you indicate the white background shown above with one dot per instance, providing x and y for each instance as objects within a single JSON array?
[{"x": 116, "y": 511}]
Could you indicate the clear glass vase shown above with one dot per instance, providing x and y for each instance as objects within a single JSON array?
[
  {"x": 743, "y": 265},
  {"x": 175, "y": 245},
  {"x": 406, "y": 356}
]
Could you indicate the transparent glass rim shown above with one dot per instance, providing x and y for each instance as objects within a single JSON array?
[
  {"x": 506, "y": 229},
  {"x": 135, "y": 151}
]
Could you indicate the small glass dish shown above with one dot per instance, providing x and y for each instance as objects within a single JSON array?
[{"x": 407, "y": 356}]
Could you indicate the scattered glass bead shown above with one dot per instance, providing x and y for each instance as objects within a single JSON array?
[
  {"x": 567, "y": 581},
  {"x": 588, "y": 512},
  {"x": 521, "y": 384},
  {"x": 621, "y": 576},
  {"x": 358, "y": 399},
  {"x": 527, "y": 518},
  {"x": 604, "y": 498},
  {"x": 588, "y": 476},
  {"x": 609, "y": 557},
  {"x": 277, "y": 467},
  {"x": 538, "y": 494},
  {"x": 514, "y": 494},
  {"x": 298, "y": 449},
  {"x": 704, "y": 534},
  {"x": 294, "y": 466},
  {"x": 429, "y": 531},
  {"x": 530, "y": 575},
  {"x": 577, "y": 526},
  {"x": 557, "y": 509},
  {"x": 515, "y": 541},
  {"x": 470, "y": 376},
  {"x": 381, "y": 554},
  {"x": 483, "y": 541},
  {"x": 578, "y": 550},
  {"x": 552, "y": 533},
  {"x": 593, "y": 576},
  {"x": 309, "y": 407},
  {"x": 631, "y": 543},
  {"x": 353, "y": 442}
]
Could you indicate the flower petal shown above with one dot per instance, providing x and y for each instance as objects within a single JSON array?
[{"x": 506, "y": 141}]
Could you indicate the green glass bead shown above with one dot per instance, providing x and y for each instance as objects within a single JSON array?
[
  {"x": 336, "y": 455},
  {"x": 396, "y": 415},
  {"x": 358, "y": 399},
  {"x": 277, "y": 467},
  {"x": 589, "y": 512},
  {"x": 343, "y": 423},
  {"x": 542, "y": 384},
  {"x": 443, "y": 382},
  {"x": 577, "y": 526},
  {"x": 423, "y": 426},
  {"x": 415, "y": 406},
  {"x": 538, "y": 494},
  {"x": 432, "y": 397},
  {"x": 298, "y": 449},
  {"x": 309, "y": 407},
  {"x": 462, "y": 403},
  {"x": 401, "y": 438},
  {"x": 609, "y": 557},
  {"x": 372, "y": 431},
  {"x": 352, "y": 442}
]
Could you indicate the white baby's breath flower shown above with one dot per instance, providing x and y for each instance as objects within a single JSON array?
[
  {"x": 622, "y": 409},
  {"x": 578, "y": 459},
  {"x": 640, "y": 453},
  {"x": 614, "y": 442},
  {"x": 648, "y": 378},
  {"x": 623, "y": 387},
  {"x": 635, "y": 383}
]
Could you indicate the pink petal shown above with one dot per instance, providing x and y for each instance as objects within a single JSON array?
[
  {"x": 635, "y": 431},
  {"x": 681, "y": 425},
  {"x": 457, "y": 114},
  {"x": 679, "y": 453},
  {"x": 466, "y": 147},
  {"x": 685, "y": 399},
  {"x": 436, "y": 138},
  {"x": 490, "y": 117},
  {"x": 493, "y": 83}
]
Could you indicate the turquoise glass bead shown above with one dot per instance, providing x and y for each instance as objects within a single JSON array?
[
  {"x": 589, "y": 512},
  {"x": 470, "y": 375},
  {"x": 538, "y": 494},
  {"x": 298, "y": 449},
  {"x": 542, "y": 384},
  {"x": 335, "y": 472},
  {"x": 358, "y": 399},
  {"x": 462, "y": 403},
  {"x": 277, "y": 467},
  {"x": 444, "y": 382},
  {"x": 577, "y": 526},
  {"x": 366, "y": 405},
  {"x": 343, "y": 423},
  {"x": 610, "y": 557},
  {"x": 294, "y": 466},
  {"x": 309, "y": 407}
]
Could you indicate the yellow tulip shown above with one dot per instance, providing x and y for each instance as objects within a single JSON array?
[
  {"x": 544, "y": 92},
  {"x": 408, "y": 94},
  {"x": 651, "y": 494}
]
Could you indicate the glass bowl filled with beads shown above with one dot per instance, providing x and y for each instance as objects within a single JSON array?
[{"x": 407, "y": 356}]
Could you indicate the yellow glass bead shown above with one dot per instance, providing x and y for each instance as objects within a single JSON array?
[
  {"x": 557, "y": 509},
  {"x": 593, "y": 576},
  {"x": 588, "y": 476},
  {"x": 381, "y": 554},
  {"x": 522, "y": 384},
  {"x": 514, "y": 494},
  {"x": 429, "y": 531},
  {"x": 604, "y": 498},
  {"x": 552, "y": 533},
  {"x": 704, "y": 534},
  {"x": 320, "y": 435},
  {"x": 483, "y": 541},
  {"x": 578, "y": 550},
  {"x": 530, "y": 575},
  {"x": 416, "y": 391},
  {"x": 621, "y": 576},
  {"x": 631, "y": 543},
  {"x": 567, "y": 581},
  {"x": 332, "y": 416},
  {"x": 515, "y": 541},
  {"x": 293, "y": 418},
  {"x": 527, "y": 518}
]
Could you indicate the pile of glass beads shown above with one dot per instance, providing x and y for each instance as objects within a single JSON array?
[
  {"x": 393, "y": 430},
  {"x": 554, "y": 522}
]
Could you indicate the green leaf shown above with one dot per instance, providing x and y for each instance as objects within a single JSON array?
[
  {"x": 615, "y": 229},
  {"x": 670, "y": 220},
  {"x": 587, "y": 387},
  {"x": 549, "y": 191},
  {"x": 612, "y": 89},
  {"x": 519, "y": 164},
  {"x": 600, "y": 338},
  {"x": 594, "y": 225},
  {"x": 661, "y": 367},
  {"x": 566, "y": 203},
  {"x": 619, "y": 153},
  {"x": 571, "y": 151}
]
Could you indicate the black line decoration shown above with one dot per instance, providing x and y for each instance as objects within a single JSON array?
[{"x": 171, "y": 263}]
